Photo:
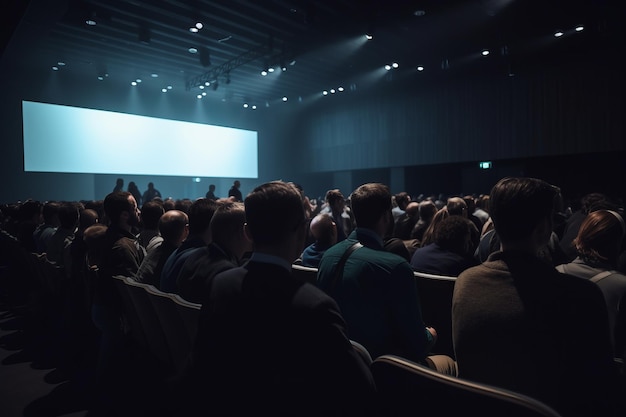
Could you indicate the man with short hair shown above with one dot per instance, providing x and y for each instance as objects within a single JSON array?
[
  {"x": 269, "y": 343},
  {"x": 226, "y": 250},
  {"x": 121, "y": 255},
  {"x": 375, "y": 289},
  {"x": 519, "y": 324}
]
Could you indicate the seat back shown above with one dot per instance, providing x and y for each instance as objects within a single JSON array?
[
  {"x": 173, "y": 325},
  {"x": 305, "y": 272},
  {"x": 362, "y": 351},
  {"x": 190, "y": 313},
  {"x": 134, "y": 324},
  {"x": 435, "y": 293},
  {"x": 155, "y": 336},
  {"x": 407, "y": 388}
]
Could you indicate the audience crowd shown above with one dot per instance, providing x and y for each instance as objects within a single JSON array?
[{"x": 538, "y": 302}]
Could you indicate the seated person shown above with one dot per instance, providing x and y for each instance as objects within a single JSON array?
[
  {"x": 599, "y": 243},
  {"x": 227, "y": 249},
  {"x": 173, "y": 228},
  {"x": 324, "y": 230},
  {"x": 452, "y": 251},
  {"x": 517, "y": 321}
]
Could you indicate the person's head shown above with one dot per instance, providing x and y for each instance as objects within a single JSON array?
[
  {"x": 212, "y": 187},
  {"x": 183, "y": 204},
  {"x": 457, "y": 234},
  {"x": 237, "y": 184},
  {"x": 150, "y": 186},
  {"x": 412, "y": 209},
  {"x": 335, "y": 200},
  {"x": 227, "y": 228},
  {"x": 169, "y": 204},
  {"x": 200, "y": 214},
  {"x": 521, "y": 207},
  {"x": 592, "y": 201},
  {"x": 30, "y": 211},
  {"x": 132, "y": 186},
  {"x": 275, "y": 218},
  {"x": 121, "y": 209},
  {"x": 427, "y": 210},
  {"x": 470, "y": 201},
  {"x": 68, "y": 215},
  {"x": 600, "y": 236},
  {"x": 402, "y": 199},
  {"x": 429, "y": 234},
  {"x": 86, "y": 218},
  {"x": 119, "y": 182},
  {"x": 94, "y": 238},
  {"x": 324, "y": 229},
  {"x": 371, "y": 206},
  {"x": 456, "y": 206},
  {"x": 50, "y": 212},
  {"x": 174, "y": 226},
  {"x": 151, "y": 212}
]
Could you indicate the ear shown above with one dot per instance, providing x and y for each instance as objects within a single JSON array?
[{"x": 246, "y": 232}]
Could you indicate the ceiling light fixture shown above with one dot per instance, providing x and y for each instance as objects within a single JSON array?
[
  {"x": 579, "y": 28},
  {"x": 485, "y": 52},
  {"x": 193, "y": 29},
  {"x": 199, "y": 25},
  {"x": 558, "y": 34},
  {"x": 420, "y": 68},
  {"x": 193, "y": 50}
]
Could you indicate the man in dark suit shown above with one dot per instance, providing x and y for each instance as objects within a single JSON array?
[
  {"x": 235, "y": 192},
  {"x": 269, "y": 343}
]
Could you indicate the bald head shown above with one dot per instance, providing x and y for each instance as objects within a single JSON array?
[
  {"x": 324, "y": 229},
  {"x": 412, "y": 209},
  {"x": 456, "y": 206},
  {"x": 174, "y": 226}
]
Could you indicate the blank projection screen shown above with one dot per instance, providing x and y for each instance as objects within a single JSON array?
[{"x": 77, "y": 140}]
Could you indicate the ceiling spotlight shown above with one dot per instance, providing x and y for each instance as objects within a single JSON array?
[
  {"x": 201, "y": 87},
  {"x": 55, "y": 68},
  {"x": 169, "y": 87},
  {"x": 283, "y": 67},
  {"x": 207, "y": 83},
  {"x": 579, "y": 28},
  {"x": 388, "y": 67},
  {"x": 61, "y": 63},
  {"x": 199, "y": 96},
  {"x": 369, "y": 36},
  {"x": 134, "y": 83},
  {"x": 254, "y": 107},
  {"x": 558, "y": 34},
  {"x": 100, "y": 77},
  {"x": 395, "y": 65},
  {"x": 325, "y": 92},
  {"x": 245, "y": 105},
  {"x": 284, "y": 98},
  {"x": 264, "y": 73},
  {"x": 419, "y": 13},
  {"x": 485, "y": 52},
  {"x": 270, "y": 69},
  {"x": 199, "y": 25},
  {"x": 193, "y": 29},
  {"x": 203, "y": 93},
  {"x": 292, "y": 63},
  {"x": 164, "y": 90},
  {"x": 154, "y": 75},
  {"x": 340, "y": 89},
  {"x": 420, "y": 68},
  {"x": 90, "y": 22},
  {"x": 193, "y": 50},
  {"x": 138, "y": 80},
  {"x": 332, "y": 91}
]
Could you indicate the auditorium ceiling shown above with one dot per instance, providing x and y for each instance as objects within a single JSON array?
[{"x": 217, "y": 49}]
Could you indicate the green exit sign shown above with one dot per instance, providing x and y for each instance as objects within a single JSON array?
[{"x": 484, "y": 165}]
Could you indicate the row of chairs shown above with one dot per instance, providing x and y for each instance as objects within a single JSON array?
[
  {"x": 160, "y": 323},
  {"x": 165, "y": 325}
]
